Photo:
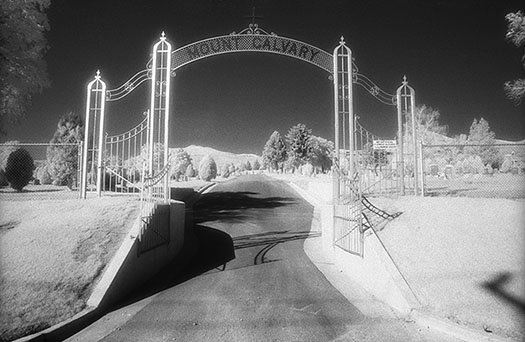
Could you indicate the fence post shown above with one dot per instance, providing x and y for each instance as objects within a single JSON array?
[
  {"x": 400, "y": 151},
  {"x": 414, "y": 139},
  {"x": 80, "y": 182},
  {"x": 422, "y": 168}
]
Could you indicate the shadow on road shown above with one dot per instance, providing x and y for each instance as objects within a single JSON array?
[
  {"x": 204, "y": 249},
  {"x": 183, "y": 194},
  {"x": 231, "y": 206},
  {"x": 270, "y": 240},
  {"x": 254, "y": 240}
]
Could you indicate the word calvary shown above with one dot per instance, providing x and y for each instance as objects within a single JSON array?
[{"x": 250, "y": 43}]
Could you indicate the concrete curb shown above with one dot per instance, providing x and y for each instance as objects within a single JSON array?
[
  {"x": 63, "y": 329},
  {"x": 453, "y": 329},
  {"x": 423, "y": 319}
]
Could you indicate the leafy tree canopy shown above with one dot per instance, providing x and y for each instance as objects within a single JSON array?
[
  {"x": 62, "y": 157},
  {"x": 427, "y": 124},
  {"x": 5, "y": 150},
  {"x": 181, "y": 160},
  {"x": 70, "y": 129},
  {"x": 322, "y": 151},
  {"x": 274, "y": 152},
  {"x": 480, "y": 134},
  {"x": 515, "y": 90},
  {"x": 300, "y": 148},
  {"x": 23, "y": 70}
]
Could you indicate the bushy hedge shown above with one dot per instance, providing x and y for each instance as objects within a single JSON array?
[
  {"x": 190, "y": 171},
  {"x": 506, "y": 166},
  {"x": 207, "y": 168},
  {"x": 43, "y": 175},
  {"x": 19, "y": 169},
  {"x": 225, "y": 170},
  {"x": 3, "y": 178}
]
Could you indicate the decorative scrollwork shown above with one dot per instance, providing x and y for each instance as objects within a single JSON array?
[
  {"x": 135, "y": 131},
  {"x": 254, "y": 28},
  {"x": 150, "y": 181},
  {"x": 394, "y": 100},
  {"x": 128, "y": 86},
  {"x": 371, "y": 87}
]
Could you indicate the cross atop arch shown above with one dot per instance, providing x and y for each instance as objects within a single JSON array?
[{"x": 254, "y": 16}]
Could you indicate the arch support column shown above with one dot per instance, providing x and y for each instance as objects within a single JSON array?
[
  {"x": 94, "y": 130},
  {"x": 160, "y": 112},
  {"x": 343, "y": 116},
  {"x": 406, "y": 104}
]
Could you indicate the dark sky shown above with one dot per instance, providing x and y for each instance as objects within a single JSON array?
[{"x": 453, "y": 53}]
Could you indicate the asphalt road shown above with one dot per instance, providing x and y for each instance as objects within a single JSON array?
[{"x": 250, "y": 280}]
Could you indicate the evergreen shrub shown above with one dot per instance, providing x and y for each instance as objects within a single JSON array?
[
  {"x": 43, "y": 175},
  {"x": 207, "y": 168},
  {"x": 19, "y": 169}
]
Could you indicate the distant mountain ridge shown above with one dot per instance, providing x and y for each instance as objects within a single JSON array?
[{"x": 198, "y": 152}]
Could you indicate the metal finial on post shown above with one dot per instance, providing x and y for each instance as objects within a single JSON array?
[
  {"x": 163, "y": 36},
  {"x": 405, "y": 80},
  {"x": 342, "y": 41},
  {"x": 97, "y": 75}
]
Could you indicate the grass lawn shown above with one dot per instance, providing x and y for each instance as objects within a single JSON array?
[
  {"x": 53, "y": 248},
  {"x": 51, "y": 253}
]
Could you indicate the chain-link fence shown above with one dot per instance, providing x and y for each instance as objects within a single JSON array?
[
  {"x": 496, "y": 170},
  {"x": 36, "y": 171}
]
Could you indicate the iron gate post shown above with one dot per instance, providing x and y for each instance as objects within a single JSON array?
[
  {"x": 421, "y": 169},
  {"x": 160, "y": 104},
  {"x": 95, "y": 104},
  {"x": 404, "y": 107},
  {"x": 343, "y": 106},
  {"x": 414, "y": 138}
]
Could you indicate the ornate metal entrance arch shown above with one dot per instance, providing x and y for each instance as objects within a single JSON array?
[{"x": 165, "y": 62}]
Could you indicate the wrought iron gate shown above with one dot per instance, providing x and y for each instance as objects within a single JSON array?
[
  {"x": 154, "y": 213},
  {"x": 347, "y": 204},
  {"x": 379, "y": 168},
  {"x": 350, "y": 158},
  {"x": 125, "y": 155}
]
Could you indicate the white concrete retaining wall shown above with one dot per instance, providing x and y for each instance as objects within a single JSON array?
[
  {"x": 128, "y": 270},
  {"x": 375, "y": 271}
]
